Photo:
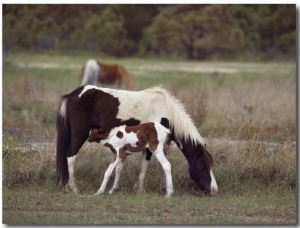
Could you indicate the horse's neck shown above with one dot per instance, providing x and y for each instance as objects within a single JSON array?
[{"x": 186, "y": 147}]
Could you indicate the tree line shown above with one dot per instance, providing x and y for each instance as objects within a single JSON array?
[{"x": 192, "y": 31}]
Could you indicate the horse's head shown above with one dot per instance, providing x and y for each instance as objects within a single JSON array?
[
  {"x": 96, "y": 135},
  {"x": 200, "y": 169}
]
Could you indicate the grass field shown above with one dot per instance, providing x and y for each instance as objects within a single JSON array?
[{"x": 246, "y": 112}]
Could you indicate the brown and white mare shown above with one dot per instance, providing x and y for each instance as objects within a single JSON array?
[
  {"x": 126, "y": 140},
  {"x": 89, "y": 107},
  {"x": 94, "y": 73}
]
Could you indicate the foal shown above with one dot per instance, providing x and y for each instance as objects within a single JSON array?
[{"x": 126, "y": 140}]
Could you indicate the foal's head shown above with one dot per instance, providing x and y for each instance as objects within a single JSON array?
[{"x": 96, "y": 135}]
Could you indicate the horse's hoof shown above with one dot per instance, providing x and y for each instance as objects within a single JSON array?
[
  {"x": 71, "y": 188},
  {"x": 76, "y": 191}
]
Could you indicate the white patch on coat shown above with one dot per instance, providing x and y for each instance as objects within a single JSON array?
[{"x": 128, "y": 138}]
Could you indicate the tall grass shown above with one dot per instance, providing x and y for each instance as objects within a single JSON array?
[{"x": 234, "y": 163}]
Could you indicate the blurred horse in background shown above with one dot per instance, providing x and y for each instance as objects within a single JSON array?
[{"x": 94, "y": 72}]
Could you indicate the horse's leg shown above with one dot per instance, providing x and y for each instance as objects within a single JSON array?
[
  {"x": 76, "y": 143},
  {"x": 139, "y": 185},
  {"x": 117, "y": 177},
  {"x": 167, "y": 168},
  {"x": 72, "y": 181},
  {"x": 107, "y": 175}
]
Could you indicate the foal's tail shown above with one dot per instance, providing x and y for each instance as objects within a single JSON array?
[{"x": 63, "y": 142}]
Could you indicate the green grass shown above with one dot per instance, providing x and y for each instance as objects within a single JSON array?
[
  {"x": 52, "y": 206},
  {"x": 241, "y": 109}
]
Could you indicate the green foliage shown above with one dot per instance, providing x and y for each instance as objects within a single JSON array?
[
  {"x": 107, "y": 33},
  {"x": 191, "y": 31},
  {"x": 269, "y": 29},
  {"x": 197, "y": 32}
]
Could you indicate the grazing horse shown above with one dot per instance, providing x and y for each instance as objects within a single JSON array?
[
  {"x": 89, "y": 107},
  {"x": 94, "y": 72},
  {"x": 126, "y": 140}
]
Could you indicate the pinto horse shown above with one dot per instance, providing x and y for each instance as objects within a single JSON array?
[
  {"x": 126, "y": 140},
  {"x": 94, "y": 72},
  {"x": 89, "y": 107}
]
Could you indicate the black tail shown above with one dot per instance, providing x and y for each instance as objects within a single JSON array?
[{"x": 63, "y": 142}]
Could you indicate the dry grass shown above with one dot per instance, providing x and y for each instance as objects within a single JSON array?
[
  {"x": 235, "y": 162},
  {"x": 256, "y": 110},
  {"x": 244, "y": 110}
]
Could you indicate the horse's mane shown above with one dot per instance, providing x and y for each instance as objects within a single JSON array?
[{"x": 179, "y": 119}]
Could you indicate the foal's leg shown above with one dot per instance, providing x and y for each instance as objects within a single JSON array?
[
  {"x": 163, "y": 176},
  {"x": 167, "y": 168},
  {"x": 117, "y": 177},
  {"x": 139, "y": 185},
  {"x": 107, "y": 175}
]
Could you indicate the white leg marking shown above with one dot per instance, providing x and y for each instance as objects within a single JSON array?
[
  {"x": 117, "y": 177},
  {"x": 163, "y": 185},
  {"x": 213, "y": 185},
  {"x": 167, "y": 168},
  {"x": 107, "y": 175},
  {"x": 72, "y": 181},
  {"x": 139, "y": 185}
]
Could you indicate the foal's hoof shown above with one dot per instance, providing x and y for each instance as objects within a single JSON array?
[
  {"x": 98, "y": 193},
  {"x": 113, "y": 190}
]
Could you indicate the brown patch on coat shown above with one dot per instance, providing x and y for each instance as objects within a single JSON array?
[
  {"x": 146, "y": 133},
  {"x": 102, "y": 110},
  {"x": 120, "y": 134}
]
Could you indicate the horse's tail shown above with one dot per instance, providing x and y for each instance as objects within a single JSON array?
[
  {"x": 180, "y": 121},
  {"x": 124, "y": 76},
  {"x": 63, "y": 142}
]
